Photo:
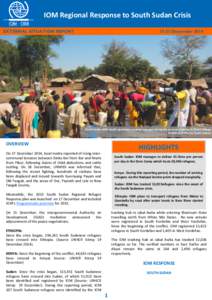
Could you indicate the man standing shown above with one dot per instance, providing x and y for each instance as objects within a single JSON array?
[{"x": 193, "y": 107}]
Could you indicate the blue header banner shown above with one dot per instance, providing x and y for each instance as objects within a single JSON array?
[{"x": 146, "y": 13}]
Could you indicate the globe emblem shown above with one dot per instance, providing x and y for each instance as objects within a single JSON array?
[{"x": 18, "y": 10}]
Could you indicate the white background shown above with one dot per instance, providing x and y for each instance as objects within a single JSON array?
[{"x": 123, "y": 277}]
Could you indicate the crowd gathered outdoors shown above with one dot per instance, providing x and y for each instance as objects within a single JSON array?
[{"x": 38, "y": 113}]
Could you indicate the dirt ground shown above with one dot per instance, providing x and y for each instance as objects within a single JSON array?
[{"x": 6, "y": 96}]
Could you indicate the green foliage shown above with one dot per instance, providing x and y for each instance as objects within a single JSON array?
[
  {"x": 208, "y": 61},
  {"x": 182, "y": 71},
  {"x": 79, "y": 73},
  {"x": 140, "y": 69},
  {"x": 115, "y": 60},
  {"x": 207, "y": 72},
  {"x": 168, "y": 72},
  {"x": 12, "y": 85},
  {"x": 53, "y": 73},
  {"x": 9, "y": 59},
  {"x": 122, "y": 62},
  {"x": 35, "y": 52}
]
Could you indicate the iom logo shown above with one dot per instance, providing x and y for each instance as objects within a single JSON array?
[
  {"x": 18, "y": 13},
  {"x": 18, "y": 10}
]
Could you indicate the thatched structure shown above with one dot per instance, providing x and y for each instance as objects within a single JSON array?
[
  {"x": 98, "y": 82},
  {"x": 60, "y": 81},
  {"x": 195, "y": 82},
  {"x": 159, "y": 80}
]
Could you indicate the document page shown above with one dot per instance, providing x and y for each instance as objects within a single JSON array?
[{"x": 105, "y": 142}]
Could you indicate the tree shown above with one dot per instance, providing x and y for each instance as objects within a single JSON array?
[
  {"x": 207, "y": 66},
  {"x": 124, "y": 63},
  {"x": 181, "y": 71},
  {"x": 9, "y": 59},
  {"x": 115, "y": 60},
  {"x": 182, "y": 52},
  {"x": 208, "y": 61},
  {"x": 168, "y": 73},
  {"x": 35, "y": 52},
  {"x": 53, "y": 73},
  {"x": 80, "y": 72},
  {"x": 140, "y": 69}
]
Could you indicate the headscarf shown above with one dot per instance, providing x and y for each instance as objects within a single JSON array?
[{"x": 141, "y": 90}]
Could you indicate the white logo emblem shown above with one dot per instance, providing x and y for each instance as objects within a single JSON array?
[{"x": 18, "y": 10}]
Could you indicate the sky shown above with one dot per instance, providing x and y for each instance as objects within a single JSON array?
[{"x": 76, "y": 51}]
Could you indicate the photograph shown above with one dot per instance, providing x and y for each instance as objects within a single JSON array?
[
  {"x": 105, "y": 86},
  {"x": 105, "y": 143}
]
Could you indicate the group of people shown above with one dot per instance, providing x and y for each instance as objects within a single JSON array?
[
  {"x": 189, "y": 104},
  {"x": 180, "y": 104},
  {"x": 40, "y": 112}
]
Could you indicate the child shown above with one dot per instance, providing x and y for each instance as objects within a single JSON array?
[{"x": 110, "y": 113}]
